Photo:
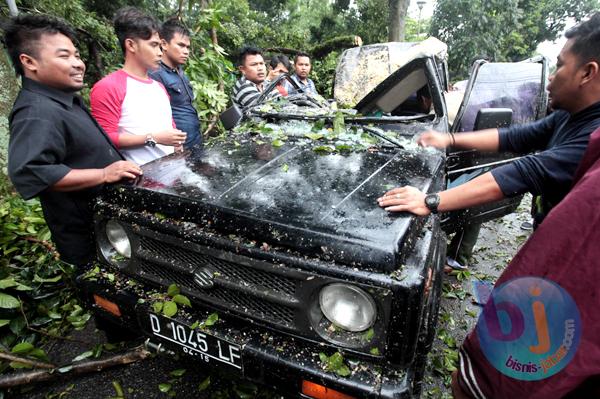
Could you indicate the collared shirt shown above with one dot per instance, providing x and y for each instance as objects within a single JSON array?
[
  {"x": 51, "y": 132},
  {"x": 308, "y": 87},
  {"x": 561, "y": 140},
  {"x": 181, "y": 96}
]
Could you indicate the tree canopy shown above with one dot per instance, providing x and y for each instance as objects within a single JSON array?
[{"x": 500, "y": 30}]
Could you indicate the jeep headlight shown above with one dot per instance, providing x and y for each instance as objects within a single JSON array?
[
  {"x": 348, "y": 307},
  {"x": 117, "y": 237}
]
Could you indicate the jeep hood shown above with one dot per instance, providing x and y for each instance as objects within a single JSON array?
[{"x": 291, "y": 196}]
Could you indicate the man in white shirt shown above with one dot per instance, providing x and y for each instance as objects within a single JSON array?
[{"x": 133, "y": 109}]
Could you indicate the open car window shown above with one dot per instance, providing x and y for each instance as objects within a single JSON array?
[{"x": 518, "y": 86}]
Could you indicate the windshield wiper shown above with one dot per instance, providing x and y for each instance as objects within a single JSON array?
[{"x": 382, "y": 136}]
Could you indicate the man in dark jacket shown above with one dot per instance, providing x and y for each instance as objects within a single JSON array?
[
  {"x": 560, "y": 139},
  {"x": 57, "y": 151}
]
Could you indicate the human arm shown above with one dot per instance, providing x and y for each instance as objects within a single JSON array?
[
  {"x": 482, "y": 140},
  {"x": 78, "y": 179},
  {"x": 481, "y": 190},
  {"x": 106, "y": 99},
  {"x": 172, "y": 137}
]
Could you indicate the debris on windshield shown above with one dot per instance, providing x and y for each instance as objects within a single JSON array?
[{"x": 325, "y": 136}]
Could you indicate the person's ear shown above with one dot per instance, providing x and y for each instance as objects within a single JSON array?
[
  {"x": 29, "y": 63},
  {"x": 163, "y": 44},
  {"x": 591, "y": 71},
  {"x": 242, "y": 69},
  {"x": 130, "y": 45}
]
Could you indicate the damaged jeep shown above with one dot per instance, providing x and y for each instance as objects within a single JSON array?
[{"x": 265, "y": 253}]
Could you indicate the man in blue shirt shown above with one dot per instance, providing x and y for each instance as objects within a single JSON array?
[
  {"x": 175, "y": 43},
  {"x": 302, "y": 67}
]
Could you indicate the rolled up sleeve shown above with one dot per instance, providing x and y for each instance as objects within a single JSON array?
[{"x": 36, "y": 154}]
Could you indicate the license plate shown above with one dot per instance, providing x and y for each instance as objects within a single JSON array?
[{"x": 195, "y": 342}]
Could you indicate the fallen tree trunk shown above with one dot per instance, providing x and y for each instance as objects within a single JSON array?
[{"x": 17, "y": 379}]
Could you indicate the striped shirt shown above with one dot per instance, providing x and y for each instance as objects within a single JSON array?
[{"x": 245, "y": 92}]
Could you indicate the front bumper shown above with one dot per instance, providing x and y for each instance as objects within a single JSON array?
[{"x": 267, "y": 357}]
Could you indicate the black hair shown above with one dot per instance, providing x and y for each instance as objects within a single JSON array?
[
  {"x": 586, "y": 39},
  {"x": 246, "y": 51},
  {"x": 170, "y": 27},
  {"x": 133, "y": 23},
  {"x": 280, "y": 59},
  {"x": 22, "y": 35},
  {"x": 300, "y": 54}
]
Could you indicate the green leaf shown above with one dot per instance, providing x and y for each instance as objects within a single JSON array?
[
  {"x": 285, "y": 167},
  {"x": 158, "y": 306},
  {"x": 169, "y": 309},
  {"x": 38, "y": 279},
  {"x": 65, "y": 369},
  {"x": 177, "y": 373},
  {"x": 277, "y": 143},
  {"x": 182, "y": 300},
  {"x": 211, "y": 319},
  {"x": 39, "y": 354},
  {"x": 164, "y": 387},
  {"x": 118, "y": 389},
  {"x": 374, "y": 351},
  {"x": 82, "y": 356},
  {"x": 22, "y": 348},
  {"x": 7, "y": 283},
  {"x": 204, "y": 384},
  {"x": 314, "y": 136},
  {"x": 324, "y": 149},
  {"x": 4, "y": 322},
  {"x": 8, "y": 301},
  {"x": 195, "y": 325},
  {"x": 369, "y": 334},
  {"x": 173, "y": 290}
]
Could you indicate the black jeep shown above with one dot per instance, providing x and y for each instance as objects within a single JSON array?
[{"x": 275, "y": 228}]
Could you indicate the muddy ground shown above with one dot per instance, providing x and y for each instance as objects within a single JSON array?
[{"x": 167, "y": 377}]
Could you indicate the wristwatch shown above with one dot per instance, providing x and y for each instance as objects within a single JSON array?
[
  {"x": 432, "y": 201},
  {"x": 150, "y": 142}
]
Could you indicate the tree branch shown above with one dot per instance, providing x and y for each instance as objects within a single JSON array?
[
  {"x": 13, "y": 380},
  {"x": 30, "y": 362}
]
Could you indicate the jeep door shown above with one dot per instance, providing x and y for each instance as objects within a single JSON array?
[{"x": 502, "y": 94}]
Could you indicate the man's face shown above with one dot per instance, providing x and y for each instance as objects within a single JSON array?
[
  {"x": 177, "y": 51},
  {"x": 278, "y": 70},
  {"x": 254, "y": 68},
  {"x": 302, "y": 67},
  {"x": 564, "y": 82},
  {"x": 146, "y": 52},
  {"x": 56, "y": 64}
]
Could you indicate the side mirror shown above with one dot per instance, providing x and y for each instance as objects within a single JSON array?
[
  {"x": 489, "y": 118},
  {"x": 231, "y": 117}
]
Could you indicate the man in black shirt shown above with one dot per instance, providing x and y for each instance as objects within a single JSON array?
[
  {"x": 561, "y": 139},
  {"x": 57, "y": 151}
]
